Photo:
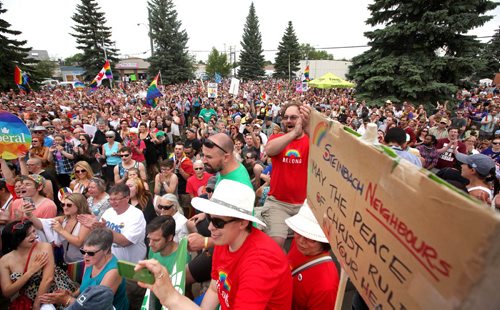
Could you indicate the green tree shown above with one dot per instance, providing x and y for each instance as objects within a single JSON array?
[
  {"x": 12, "y": 53},
  {"x": 170, "y": 55},
  {"x": 422, "y": 52},
  {"x": 309, "y": 52},
  {"x": 45, "y": 69},
  {"x": 93, "y": 38},
  {"x": 490, "y": 57},
  {"x": 287, "y": 59},
  {"x": 251, "y": 56},
  {"x": 218, "y": 62},
  {"x": 74, "y": 60}
]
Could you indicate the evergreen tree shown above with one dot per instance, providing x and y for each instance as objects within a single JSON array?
[
  {"x": 288, "y": 57},
  {"x": 93, "y": 38},
  {"x": 170, "y": 56},
  {"x": 217, "y": 62},
  {"x": 251, "y": 57},
  {"x": 490, "y": 57},
  {"x": 12, "y": 53},
  {"x": 422, "y": 52}
]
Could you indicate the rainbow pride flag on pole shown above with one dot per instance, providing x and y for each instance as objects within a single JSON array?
[
  {"x": 306, "y": 73},
  {"x": 18, "y": 76},
  {"x": 153, "y": 92},
  {"x": 105, "y": 73}
]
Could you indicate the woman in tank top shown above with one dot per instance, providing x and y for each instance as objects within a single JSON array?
[{"x": 110, "y": 153}]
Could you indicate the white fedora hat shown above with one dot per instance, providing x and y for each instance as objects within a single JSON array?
[
  {"x": 230, "y": 198},
  {"x": 304, "y": 223}
]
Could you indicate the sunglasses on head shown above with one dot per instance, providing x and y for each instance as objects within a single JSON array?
[
  {"x": 18, "y": 226},
  {"x": 219, "y": 223},
  {"x": 163, "y": 207},
  {"x": 210, "y": 144},
  {"x": 89, "y": 253}
]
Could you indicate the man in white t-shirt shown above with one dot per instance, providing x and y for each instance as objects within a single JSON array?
[{"x": 129, "y": 230}]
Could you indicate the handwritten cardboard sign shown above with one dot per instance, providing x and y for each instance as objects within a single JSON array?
[{"x": 405, "y": 241}]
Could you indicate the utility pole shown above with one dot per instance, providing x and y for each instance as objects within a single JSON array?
[{"x": 150, "y": 32}]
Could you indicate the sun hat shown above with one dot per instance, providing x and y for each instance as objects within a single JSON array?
[
  {"x": 94, "y": 297},
  {"x": 304, "y": 223},
  {"x": 230, "y": 198},
  {"x": 481, "y": 163}
]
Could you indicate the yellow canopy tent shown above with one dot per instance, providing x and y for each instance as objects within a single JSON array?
[{"x": 330, "y": 80}]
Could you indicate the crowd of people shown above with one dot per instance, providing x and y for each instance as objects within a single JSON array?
[{"x": 108, "y": 178}]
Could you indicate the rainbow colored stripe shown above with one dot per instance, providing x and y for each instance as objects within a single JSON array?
[
  {"x": 18, "y": 76},
  {"x": 107, "y": 68},
  {"x": 224, "y": 281},
  {"x": 306, "y": 73},
  {"x": 153, "y": 93},
  {"x": 292, "y": 153},
  {"x": 319, "y": 133}
]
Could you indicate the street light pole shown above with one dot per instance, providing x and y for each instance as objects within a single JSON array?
[{"x": 149, "y": 31}]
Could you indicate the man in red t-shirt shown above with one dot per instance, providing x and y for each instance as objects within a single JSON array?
[
  {"x": 196, "y": 183},
  {"x": 446, "y": 148},
  {"x": 289, "y": 153},
  {"x": 249, "y": 269}
]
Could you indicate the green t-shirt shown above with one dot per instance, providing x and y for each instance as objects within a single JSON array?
[
  {"x": 207, "y": 114},
  {"x": 240, "y": 174},
  {"x": 168, "y": 262}
]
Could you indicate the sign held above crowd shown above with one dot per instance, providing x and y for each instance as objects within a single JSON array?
[{"x": 405, "y": 240}]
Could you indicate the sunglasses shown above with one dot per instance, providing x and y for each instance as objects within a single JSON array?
[
  {"x": 124, "y": 155},
  {"x": 18, "y": 226},
  {"x": 162, "y": 207},
  {"x": 67, "y": 205},
  {"x": 209, "y": 190},
  {"x": 210, "y": 144},
  {"x": 80, "y": 171},
  {"x": 89, "y": 253},
  {"x": 108, "y": 137},
  {"x": 198, "y": 168},
  {"x": 82, "y": 139},
  {"x": 443, "y": 123},
  {"x": 496, "y": 143},
  {"x": 219, "y": 223}
]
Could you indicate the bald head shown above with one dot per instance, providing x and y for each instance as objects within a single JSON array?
[{"x": 224, "y": 141}]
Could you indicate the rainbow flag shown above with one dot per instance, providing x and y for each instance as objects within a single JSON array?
[
  {"x": 107, "y": 69},
  {"x": 153, "y": 92},
  {"x": 18, "y": 76},
  {"x": 105, "y": 73},
  {"x": 75, "y": 271},
  {"x": 306, "y": 73}
]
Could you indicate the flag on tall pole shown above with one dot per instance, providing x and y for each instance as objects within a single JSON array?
[
  {"x": 105, "y": 73},
  {"x": 306, "y": 73},
  {"x": 153, "y": 92},
  {"x": 21, "y": 79}
]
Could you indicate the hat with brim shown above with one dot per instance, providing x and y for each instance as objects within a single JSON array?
[
  {"x": 225, "y": 201},
  {"x": 479, "y": 162},
  {"x": 94, "y": 297},
  {"x": 305, "y": 224}
]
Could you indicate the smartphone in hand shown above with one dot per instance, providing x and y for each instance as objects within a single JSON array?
[{"x": 126, "y": 270}]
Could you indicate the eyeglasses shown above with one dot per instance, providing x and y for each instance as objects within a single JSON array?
[
  {"x": 124, "y": 155},
  {"x": 210, "y": 144},
  {"x": 116, "y": 199},
  {"x": 67, "y": 205},
  {"x": 38, "y": 132},
  {"x": 89, "y": 253},
  {"x": 34, "y": 140},
  {"x": 198, "y": 168},
  {"x": 219, "y": 223},
  {"x": 109, "y": 137},
  {"x": 167, "y": 207},
  {"x": 249, "y": 157},
  {"x": 290, "y": 117},
  {"x": 80, "y": 171}
]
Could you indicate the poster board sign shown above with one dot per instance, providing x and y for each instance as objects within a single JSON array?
[
  {"x": 15, "y": 137},
  {"x": 234, "y": 87},
  {"x": 212, "y": 90},
  {"x": 405, "y": 240},
  {"x": 90, "y": 130}
]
